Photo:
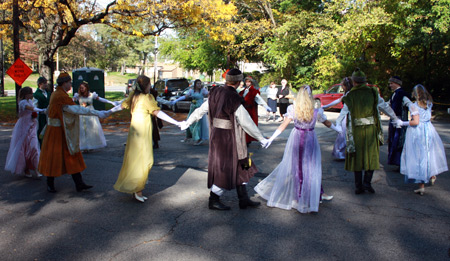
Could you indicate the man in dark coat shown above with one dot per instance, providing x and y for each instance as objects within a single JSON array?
[
  {"x": 41, "y": 100},
  {"x": 399, "y": 102},
  {"x": 229, "y": 165}
]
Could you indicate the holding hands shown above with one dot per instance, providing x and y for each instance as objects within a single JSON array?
[{"x": 184, "y": 125}]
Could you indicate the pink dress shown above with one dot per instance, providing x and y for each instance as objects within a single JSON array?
[{"x": 24, "y": 149}]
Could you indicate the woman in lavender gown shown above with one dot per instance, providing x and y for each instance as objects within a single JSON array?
[{"x": 296, "y": 181}]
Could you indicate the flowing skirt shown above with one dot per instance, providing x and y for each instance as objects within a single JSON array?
[
  {"x": 340, "y": 144},
  {"x": 296, "y": 181},
  {"x": 91, "y": 133},
  {"x": 24, "y": 149},
  {"x": 423, "y": 153}
]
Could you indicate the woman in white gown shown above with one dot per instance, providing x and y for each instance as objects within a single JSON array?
[
  {"x": 423, "y": 156},
  {"x": 91, "y": 132}
]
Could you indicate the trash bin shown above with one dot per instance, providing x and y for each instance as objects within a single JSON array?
[{"x": 95, "y": 78}]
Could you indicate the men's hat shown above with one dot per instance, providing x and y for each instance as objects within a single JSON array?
[
  {"x": 396, "y": 80},
  {"x": 234, "y": 75},
  {"x": 358, "y": 76},
  {"x": 63, "y": 77},
  {"x": 41, "y": 80}
]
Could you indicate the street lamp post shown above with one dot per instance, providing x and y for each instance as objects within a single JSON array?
[{"x": 156, "y": 59}]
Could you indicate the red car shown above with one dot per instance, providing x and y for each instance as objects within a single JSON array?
[{"x": 333, "y": 93}]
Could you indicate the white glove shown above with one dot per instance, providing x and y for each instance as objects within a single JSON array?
[
  {"x": 105, "y": 100},
  {"x": 116, "y": 108},
  {"x": 337, "y": 128},
  {"x": 117, "y": 103},
  {"x": 265, "y": 143},
  {"x": 405, "y": 123},
  {"x": 331, "y": 104},
  {"x": 268, "y": 108},
  {"x": 39, "y": 110},
  {"x": 104, "y": 114},
  {"x": 167, "y": 118},
  {"x": 398, "y": 123},
  {"x": 184, "y": 125}
]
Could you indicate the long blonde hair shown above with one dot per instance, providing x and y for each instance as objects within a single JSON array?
[{"x": 304, "y": 104}]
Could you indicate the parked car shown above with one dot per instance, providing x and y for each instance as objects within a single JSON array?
[
  {"x": 129, "y": 85},
  {"x": 170, "y": 87},
  {"x": 209, "y": 85},
  {"x": 183, "y": 105},
  {"x": 336, "y": 91}
]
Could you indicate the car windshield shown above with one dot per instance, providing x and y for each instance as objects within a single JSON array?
[
  {"x": 334, "y": 89},
  {"x": 181, "y": 84}
]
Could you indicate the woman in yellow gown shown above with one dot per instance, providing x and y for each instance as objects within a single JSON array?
[{"x": 138, "y": 158}]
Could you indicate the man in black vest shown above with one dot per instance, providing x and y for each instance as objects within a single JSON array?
[{"x": 399, "y": 103}]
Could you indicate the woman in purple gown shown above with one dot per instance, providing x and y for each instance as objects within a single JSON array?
[{"x": 296, "y": 181}]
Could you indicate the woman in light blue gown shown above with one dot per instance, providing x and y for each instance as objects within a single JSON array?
[
  {"x": 423, "y": 156},
  {"x": 198, "y": 131}
]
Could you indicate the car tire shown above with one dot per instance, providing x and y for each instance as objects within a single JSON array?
[{"x": 317, "y": 104}]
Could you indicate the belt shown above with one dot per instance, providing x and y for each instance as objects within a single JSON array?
[
  {"x": 54, "y": 122},
  {"x": 300, "y": 129},
  {"x": 364, "y": 121},
  {"x": 222, "y": 124}
]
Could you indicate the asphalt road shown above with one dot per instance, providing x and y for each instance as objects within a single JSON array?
[{"x": 175, "y": 223}]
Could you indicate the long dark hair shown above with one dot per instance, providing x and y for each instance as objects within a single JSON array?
[
  {"x": 347, "y": 82},
  {"x": 86, "y": 92},
  {"x": 24, "y": 91},
  {"x": 195, "y": 84},
  {"x": 142, "y": 82}
]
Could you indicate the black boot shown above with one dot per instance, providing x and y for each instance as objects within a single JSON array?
[
  {"x": 51, "y": 185},
  {"x": 358, "y": 182},
  {"x": 215, "y": 204},
  {"x": 367, "y": 181},
  {"x": 244, "y": 200},
  {"x": 79, "y": 184}
]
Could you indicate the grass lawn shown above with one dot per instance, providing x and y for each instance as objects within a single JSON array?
[
  {"x": 8, "y": 109},
  {"x": 112, "y": 78}
]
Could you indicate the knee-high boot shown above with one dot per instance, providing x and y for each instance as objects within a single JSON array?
[
  {"x": 51, "y": 184},
  {"x": 358, "y": 182},
  {"x": 244, "y": 200},
  {"x": 79, "y": 183},
  {"x": 367, "y": 181}
]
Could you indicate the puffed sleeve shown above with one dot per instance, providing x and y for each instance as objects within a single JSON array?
[
  {"x": 321, "y": 115},
  {"x": 126, "y": 104},
  {"x": 413, "y": 109},
  {"x": 75, "y": 96},
  {"x": 22, "y": 105},
  {"x": 94, "y": 95},
  {"x": 151, "y": 104},
  {"x": 290, "y": 112}
]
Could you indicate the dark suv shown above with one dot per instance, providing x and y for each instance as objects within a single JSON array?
[{"x": 170, "y": 87}]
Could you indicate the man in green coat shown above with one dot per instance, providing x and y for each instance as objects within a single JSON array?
[
  {"x": 41, "y": 100},
  {"x": 364, "y": 133}
]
